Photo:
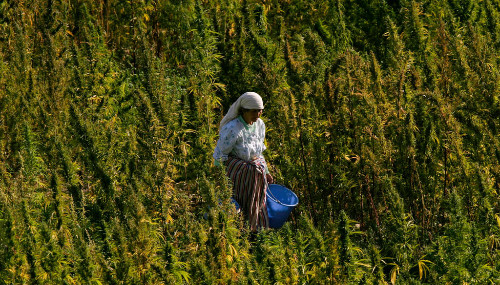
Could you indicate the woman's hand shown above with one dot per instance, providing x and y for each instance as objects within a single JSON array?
[{"x": 270, "y": 179}]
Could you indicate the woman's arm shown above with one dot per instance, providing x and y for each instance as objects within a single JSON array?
[
  {"x": 262, "y": 136},
  {"x": 227, "y": 139}
]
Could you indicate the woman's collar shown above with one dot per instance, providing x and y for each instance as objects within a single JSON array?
[{"x": 245, "y": 124}]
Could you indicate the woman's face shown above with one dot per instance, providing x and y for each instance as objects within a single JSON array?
[{"x": 251, "y": 116}]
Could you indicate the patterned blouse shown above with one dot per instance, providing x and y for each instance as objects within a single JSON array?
[{"x": 239, "y": 139}]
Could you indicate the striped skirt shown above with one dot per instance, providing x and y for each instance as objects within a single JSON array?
[{"x": 249, "y": 189}]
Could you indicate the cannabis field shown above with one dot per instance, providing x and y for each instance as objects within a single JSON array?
[{"x": 382, "y": 116}]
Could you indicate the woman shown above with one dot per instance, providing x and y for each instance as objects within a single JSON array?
[{"x": 239, "y": 148}]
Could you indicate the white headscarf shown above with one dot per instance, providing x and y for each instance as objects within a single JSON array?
[{"x": 249, "y": 100}]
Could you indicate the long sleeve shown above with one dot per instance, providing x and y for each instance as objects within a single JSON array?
[
  {"x": 227, "y": 140},
  {"x": 262, "y": 136},
  {"x": 265, "y": 163}
]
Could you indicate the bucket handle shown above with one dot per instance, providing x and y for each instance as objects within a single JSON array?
[{"x": 271, "y": 194}]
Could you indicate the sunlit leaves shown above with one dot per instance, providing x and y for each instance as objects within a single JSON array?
[{"x": 385, "y": 112}]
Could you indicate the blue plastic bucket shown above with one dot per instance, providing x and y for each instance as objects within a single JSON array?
[
  {"x": 236, "y": 205},
  {"x": 280, "y": 203}
]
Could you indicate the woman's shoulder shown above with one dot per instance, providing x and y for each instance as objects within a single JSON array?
[
  {"x": 260, "y": 122},
  {"x": 234, "y": 124}
]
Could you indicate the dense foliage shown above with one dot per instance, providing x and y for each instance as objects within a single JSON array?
[{"x": 383, "y": 116}]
